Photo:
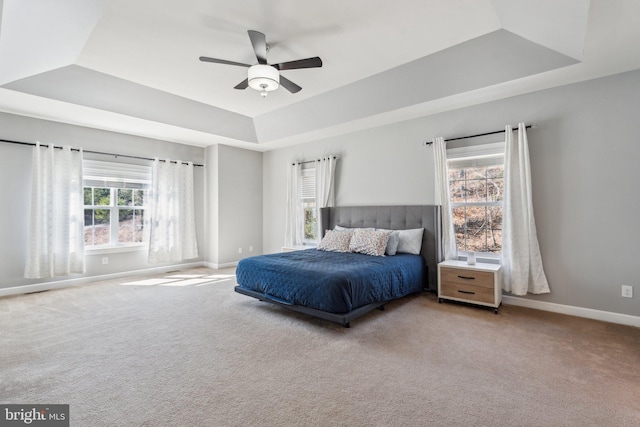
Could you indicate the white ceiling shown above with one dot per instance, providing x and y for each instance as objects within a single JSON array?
[{"x": 132, "y": 66}]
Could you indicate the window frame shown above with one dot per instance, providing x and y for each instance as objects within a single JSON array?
[
  {"x": 116, "y": 176},
  {"x": 482, "y": 155}
]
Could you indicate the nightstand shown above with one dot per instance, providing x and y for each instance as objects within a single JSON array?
[{"x": 475, "y": 284}]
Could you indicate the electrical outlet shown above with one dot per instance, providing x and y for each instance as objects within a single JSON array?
[
  {"x": 627, "y": 291},
  {"x": 250, "y": 248},
  {"x": 239, "y": 250},
  {"x": 105, "y": 260}
]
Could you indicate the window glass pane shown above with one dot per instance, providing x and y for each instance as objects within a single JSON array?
[
  {"x": 476, "y": 226},
  {"x": 494, "y": 241},
  {"x": 101, "y": 232},
  {"x": 124, "y": 197},
  {"x": 456, "y": 191},
  {"x": 459, "y": 218},
  {"x": 102, "y": 196},
  {"x": 476, "y": 239},
  {"x": 495, "y": 189},
  {"x": 476, "y": 190},
  {"x": 138, "y": 224},
  {"x": 456, "y": 174},
  {"x": 310, "y": 221},
  {"x": 87, "y": 195},
  {"x": 476, "y": 216},
  {"x": 139, "y": 197},
  {"x": 494, "y": 217},
  {"x": 460, "y": 241},
  {"x": 476, "y": 173},
  {"x": 495, "y": 172},
  {"x": 88, "y": 227},
  {"x": 125, "y": 225}
]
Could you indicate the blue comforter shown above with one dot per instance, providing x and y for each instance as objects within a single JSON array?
[{"x": 330, "y": 281}]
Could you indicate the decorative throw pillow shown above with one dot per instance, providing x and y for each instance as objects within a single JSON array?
[
  {"x": 410, "y": 241},
  {"x": 335, "y": 241},
  {"x": 369, "y": 241},
  {"x": 392, "y": 243}
]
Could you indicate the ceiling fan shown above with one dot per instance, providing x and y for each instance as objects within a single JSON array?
[{"x": 265, "y": 77}]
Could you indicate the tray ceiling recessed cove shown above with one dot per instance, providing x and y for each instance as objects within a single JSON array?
[{"x": 139, "y": 61}]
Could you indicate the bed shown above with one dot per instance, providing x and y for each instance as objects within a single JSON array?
[{"x": 339, "y": 286}]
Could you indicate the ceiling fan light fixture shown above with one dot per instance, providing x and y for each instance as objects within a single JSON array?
[{"x": 264, "y": 78}]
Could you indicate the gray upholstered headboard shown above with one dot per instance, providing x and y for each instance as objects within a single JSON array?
[{"x": 395, "y": 218}]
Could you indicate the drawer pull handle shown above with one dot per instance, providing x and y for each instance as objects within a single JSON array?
[
  {"x": 466, "y": 277},
  {"x": 466, "y": 292}
]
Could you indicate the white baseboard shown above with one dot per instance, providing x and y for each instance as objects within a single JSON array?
[
  {"x": 223, "y": 265},
  {"x": 589, "y": 313},
  {"x": 59, "y": 284}
]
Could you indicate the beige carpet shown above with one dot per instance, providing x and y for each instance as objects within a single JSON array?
[{"x": 191, "y": 352}]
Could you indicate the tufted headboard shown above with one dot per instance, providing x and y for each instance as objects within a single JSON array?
[{"x": 395, "y": 218}]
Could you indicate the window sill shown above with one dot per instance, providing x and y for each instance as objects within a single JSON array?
[
  {"x": 482, "y": 257},
  {"x": 115, "y": 249}
]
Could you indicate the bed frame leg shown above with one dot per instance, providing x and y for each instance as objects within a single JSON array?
[
  {"x": 347, "y": 325},
  {"x": 381, "y": 308}
]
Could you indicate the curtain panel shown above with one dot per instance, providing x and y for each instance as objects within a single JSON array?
[
  {"x": 294, "y": 220},
  {"x": 325, "y": 185},
  {"x": 522, "y": 269},
  {"x": 443, "y": 198},
  {"x": 172, "y": 229},
  {"x": 56, "y": 221}
]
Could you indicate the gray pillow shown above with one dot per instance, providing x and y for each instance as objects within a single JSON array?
[
  {"x": 410, "y": 241},
  {"x": 392, "y": 243}
]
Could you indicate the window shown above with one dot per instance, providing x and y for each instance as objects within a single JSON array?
[
  {"x": 307, "y": 192},
  {"x": 115, "y": 197},
  {"x": 476, "y": 184}
]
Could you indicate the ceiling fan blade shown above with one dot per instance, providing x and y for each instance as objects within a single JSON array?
[
  {"x": 223, "y": 61},
  {"x": 314, "y": 62},
  {"x": 259, "y": 42},
  {"x": 242, "y": 85},
  {"x": 289, "y": 85}
]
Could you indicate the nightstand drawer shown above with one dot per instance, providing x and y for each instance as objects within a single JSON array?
[
  {"x": 467, "y": 277},
  {"x": 468, "y": 292}
]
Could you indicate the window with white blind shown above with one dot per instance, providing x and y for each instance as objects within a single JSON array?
[
  {"x": 115, "y": 198},
  {"x": 307, "y": 193},
  {"x": 476, "y": 184}
]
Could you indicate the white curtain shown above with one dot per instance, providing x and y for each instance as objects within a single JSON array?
[
  {"x": 294, "y": 218},
  {"x": 56, "y": 224},
  {"x": 325, "y": 185},
  {"x": 172, "y": 227},
  {"x": 443, "y": 199},
  {"x": 522, "y": 270}
]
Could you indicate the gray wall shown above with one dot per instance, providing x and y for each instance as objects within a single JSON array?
[
  {"x": 584, "y": 159},
  {"x": 15, "y": 177},
  {"x": 234, "y": 191}
]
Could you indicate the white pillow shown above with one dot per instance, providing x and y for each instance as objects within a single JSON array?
[
  {"x": 410, "y": 241},
  {"x": 369, "y": 241},
  {"x": 335, "y": 241}
]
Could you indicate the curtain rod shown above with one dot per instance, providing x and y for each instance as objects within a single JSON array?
[
  {"x": 310, "y": 161},
  {"x": 32, "y": 144},
  {"x": 480, "y": 134}
]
